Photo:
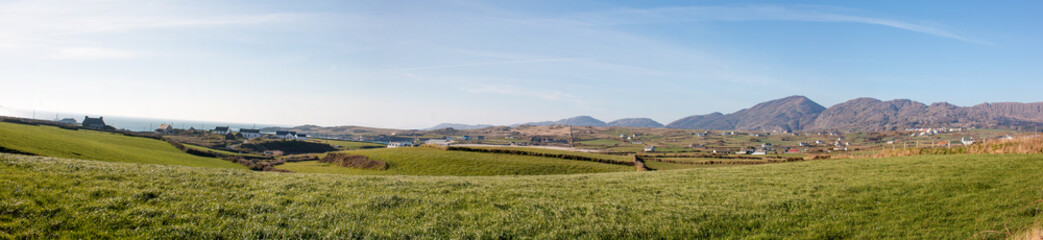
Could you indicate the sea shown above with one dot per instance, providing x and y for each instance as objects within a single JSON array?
[{"x": 130, "y": 123}]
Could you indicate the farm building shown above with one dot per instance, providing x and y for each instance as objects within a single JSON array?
[
  {"x": 649, "y": 148},
  {"x": 222, "y": 130},
  {"x": 399, "y": 144},
  {"x": 286, "y": 134},
  {"x": 301, "y": 136},
  {"x": 792, "y": 150},
  {"x": 479, "y": 138},
  {"x": 165, "y": 129},
  {"x": 68, "y": 121},
  {"x": 93, "y": 123},
  {"x": 250, "y": 133},
  {"x": 437, "y": 142},
  {"x": 759, "y": 152}
]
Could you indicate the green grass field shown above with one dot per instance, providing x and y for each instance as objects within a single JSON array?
[
  {"x": 922, "y": 197},
  {"x": 429, "y": 161},
  {"x": 102, "y": 146}
]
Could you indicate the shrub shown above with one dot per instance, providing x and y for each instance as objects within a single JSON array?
[{"x": 353, "y": 161}]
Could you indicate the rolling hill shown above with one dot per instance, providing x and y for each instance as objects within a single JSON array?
[
  {"x": 785, "y": 114},
  {"x": 635, "y": 122},
  {"x": 101, "y": 146}
]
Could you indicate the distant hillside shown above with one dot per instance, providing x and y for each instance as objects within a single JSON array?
[
  {"x": 574, "y": 121},
  {"x": 635, "y": 122},
  {"x": 459, "y": 126},
  {"x": 797, "y": 113},
  {"x": 868, "y": 114},
  {"x": 785, "y": 114}
]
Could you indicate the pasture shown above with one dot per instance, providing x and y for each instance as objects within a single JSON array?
[
  {"x": 101, "y": 146},
  {"x": 430, "y": 161},
  {"x": 919, "y": 197}
]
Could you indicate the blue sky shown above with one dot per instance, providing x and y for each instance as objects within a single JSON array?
[{"x": 413, "y": 64}]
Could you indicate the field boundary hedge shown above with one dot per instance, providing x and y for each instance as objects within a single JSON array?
[{"x": 539, "y": 154}]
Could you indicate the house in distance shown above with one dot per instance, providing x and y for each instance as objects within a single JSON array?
[
  {"x": 165, "y": 128},
  {"x": 93, "y": 123},
  {"x": 68, "y": 121},
  {"x": 250, "y": 132},
  {"x": 221, "y": 130}
]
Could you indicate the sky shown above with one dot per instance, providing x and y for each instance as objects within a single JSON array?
[{"x": 414, "y": 64}]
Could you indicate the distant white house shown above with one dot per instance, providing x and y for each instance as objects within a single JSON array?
[
  {"x": 399, "y": 144},
  {"x": 250, "y": 133},
  {"x": 967, "y": 141},
  {"x": 442, "y": 142},
  {"x": 221, "y": 130},
  {"x": 165, "y": 129},
  {"x": 286, "y": 134},
  {"x": 759, "y": 152},
  {"x": 649, "y": 148},
  {"x": 68, "y": 121}
]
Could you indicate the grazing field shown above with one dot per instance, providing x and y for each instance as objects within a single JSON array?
[
  {"x": 920, "y": 197},
  {"x": 96, "y": 145},
  {"x": 430, "y": 161}
]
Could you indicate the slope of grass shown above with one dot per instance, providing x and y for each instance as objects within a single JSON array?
[
  {"x": 102, "y": 146},
  {"x": 429, "y": 161},
  {"x": 224, "y": 152},
  {"x": 921, "y": 197},
  {"x": 349, "y": 145}
]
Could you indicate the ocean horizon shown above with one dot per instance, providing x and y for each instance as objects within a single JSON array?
[{"x": 136, "y": 124}]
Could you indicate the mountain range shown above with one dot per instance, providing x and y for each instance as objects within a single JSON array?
[{"x": 798, "y": 113}]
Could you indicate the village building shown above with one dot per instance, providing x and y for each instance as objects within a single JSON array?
[
  {"x": 399, "y": 144},
  {"x": 222, "y": 130},
  {"x": 649, "y": 148},
  {"x": 759, "y": 152},
  {"x": 68, "y": 121},
  {"x": 250, "y": 133},
  {"x": 466, "y": 138},
  {"x": 286, "y": 134},
  {"x": 165, "y": 129},
  {"x": 803, "y": 144},
  {"x": 792, "y": 150},
  {"x": 479, "y": 138},
  {"x": 441, "y": 142},
  {"x": 967, "y": 141},
  {"x": 301, "y": 136},
  {"x": 93, "y": 123}
]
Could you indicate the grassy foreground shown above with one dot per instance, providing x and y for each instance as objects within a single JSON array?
[
  {"x": 436, "y": 162},
  {"x": 102, "y": 146},
  {"x": 921, "y": 197}
]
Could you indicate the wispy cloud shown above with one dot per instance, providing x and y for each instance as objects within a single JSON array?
[
  {"x": 506, "y": 90},
  {"x": 92, "y": 53},
  {"x": 475, "y": 64},
  {"x": 77, "y": 29},
  {"x": 748, "y": 13}
]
